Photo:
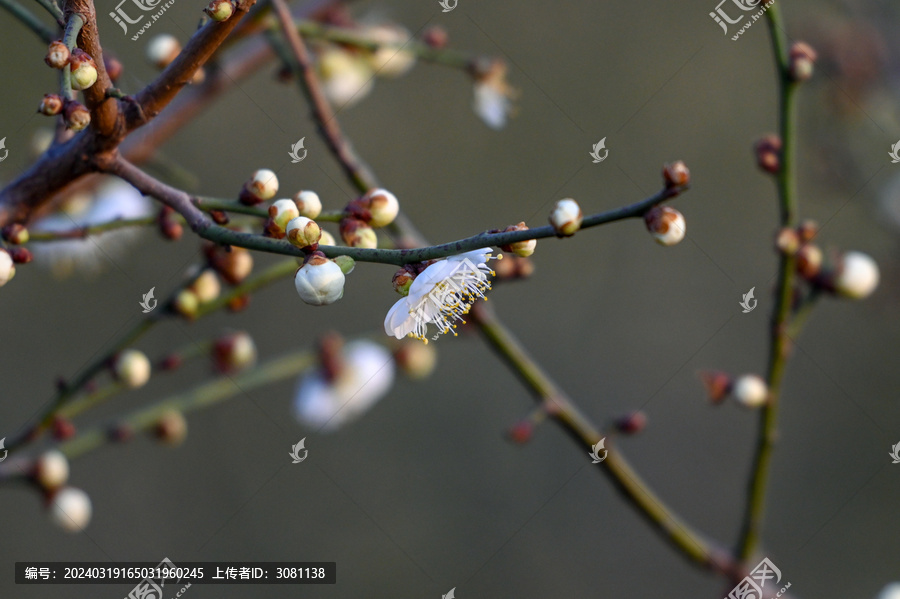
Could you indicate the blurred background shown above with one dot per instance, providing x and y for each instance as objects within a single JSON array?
[{"x": 425, "y": 493}]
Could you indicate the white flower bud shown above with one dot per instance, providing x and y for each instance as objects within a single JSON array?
[
  {"x": 891, "y": 591},
  {"x": 383, "y": 206},
  {"x": 520, "y": 248},
  {"x": 282, "y": 212},
  {"x": 390, "y": 60},
  {"x": 162, "y": 50},
  {"x": 206, "y": 287},
  {"x": 327, "y": 238},
  {"x": 263, "y": 185},
  {"x": 7, "y": 268},
  {"x": 57, "y": 55},
  {"x": 303, "y": 232},
  {"x": 750, "y": 391},
  {"x": 308, "y": 203},
  {"x": 665, "y": 224},
  {"x": 51, "y": 470},
  {"x": 70, "y": 508},
  {"x": 857, "y": 275},
  {"x": 132, "y": 368},
  {"x": 346, "y": 79},
  {"x": 171, "y": 428},
  {"x": 566, "y": 217},
  {"x": 320, "y": 281},
  {"x": 220, "y": 10}
]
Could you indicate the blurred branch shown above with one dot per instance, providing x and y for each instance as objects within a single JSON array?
[
  {"x": 779, "y": 346},
  {"x": 84, "y": 232},
  {"x": 29, "y": 20},
  {"x": 53, "y": 8}
]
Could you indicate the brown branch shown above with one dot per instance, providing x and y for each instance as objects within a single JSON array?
[{"x": 104, "y": 111}]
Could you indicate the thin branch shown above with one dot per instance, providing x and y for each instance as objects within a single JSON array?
[
  {"x": 28, "y": 19},
  {"x": 84, "y": 232},
  {"x": 53, "y": 8},
  {"x": 779, "y": 347}
]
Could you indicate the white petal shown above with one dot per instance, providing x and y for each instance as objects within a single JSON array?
[{"x": 491, "y": 106}]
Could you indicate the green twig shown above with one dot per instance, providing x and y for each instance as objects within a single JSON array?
[
  {"x": 28, "y": 19},
  {"x": 83, "y": 232},
  {"x": 53, "y": 8}
]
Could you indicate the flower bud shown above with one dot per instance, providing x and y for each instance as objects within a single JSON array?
[
  {"x": 186, "y": 303},
  {"x": 234, "y": 264},
  {"x": 521, "y": 432},
  {"x": 132, "y": 368},
  {"x": 809, "y": 260},
  {"x": 382, "y": 205},
  {"x": 220, "y": 10},
  {"x": 303, "y": 232},
  {"x": 768, "y": 153},
  {"x": 358, "y": 234},
  {"x": 807, "y": 230},
  {"x": 51, "y": 470},
  {"x": 238, "y": 303},
  {"x": 308, "y": 203},
  {"x": 113, "y": 67},
  {"x": 51, "y": 105},
  {"x": 520, "y": 248},
  {"x": 63, "y": 429},
  {"x": 206, "y": 286},
  {"x": 346, "y": 78},
  {"x": 800, "y": 61},
  {"x": 718, "y": 385},
  {"x": 282, "y": 212},
  {"x": 57, "y": 55},
  {"x": 84, "y": 69},
  {"x": 15, "y": 233},
  {"x": 21, "y": 255},
  {"x": 327, "y": 238},
  {"x": 856, "y": 276},
  {"x": 233, "y": 352},
  {"x": 171, "y": 428},
  {"x": 632, "y": 423},
  {"x": 262, "y": 186},
  {"x": 70, "y": 509},
  {"x": 787, "y": 241},
  {"x": 390, "y": 59},
  {"x": 750, "y": 391},
  {"x": 435, "y": 37},
  {"x": 402, "y": 281},
  {"x": 665, "y": 224},
  {"x": 415, "y": 359},
  {"x": 77, "y": 116},
  {"x": 170, "y": 228},
  {"x": 676, "y": 174},
  {"x": 7, "y": 268},
  {"x": 320, "y": 281},
  {"x": 566, "y": 217},
  {"x": 162, "y": 50}
]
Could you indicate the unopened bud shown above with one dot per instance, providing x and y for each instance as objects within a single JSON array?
[
  {"x": 84, "y": 69},
  {"x": 206, "y": 286},
  {"x": 320, "y": 281},
  {"x": 51, "y": 105},
  {"x": 718, "y": 385},
  {"x": 520, "y": 248},
  {"x": 856, "y": 276},
  {"x": 809, "y": 260},
  {"x": 21, "y": 255},
  {"x": 113, "y": 67},
  {"x": 750, "y": 391},
  {"x": 327, "y": 238},
  {"x": 632, "y": 423},
  {"x": 57, "y": 55},
  {"x": 15, "y": 233},
  {"x": 132, "y": 368},
  {"x": 186, "y": 303},
  {"x": 308, "y": 203},
  {"x": 676, "y": 174},
  {"x": 63, "y": 429},
  {"x": 787, "y": 241},
  {"x": 807, "y": 230},
  {"x": 51, "y": 470},
  {"x": 233, "y": 352},
  {"x": 666, "y": 225},
  {"x": 162, "y": 50},
  {"x": 70, "y": 509},
  {"x": 382, "y": 205},
  {"x": 303, "y": 232},
  {"x": 566, "y": 217},
  {"x": 402, "y": 281},
  {"x": 77, "y": 116},
  {"x": 358, "y": 234},
  {"x": 220, "y": 10},
  {"x": 768, "y": 153},
  {"x": 416, "y": 360},
  {"x": 262, "y": 186},
  {"x": 521, "y": 432},
  {"x": 233, "y": 265},
  {"x": 171, "y": 428},
  {"x": 282, "y": 212},
  {"x": 801, "y": 60},
  {"x": 7, "y": 268},
  {"x": 435, "y": 37}
]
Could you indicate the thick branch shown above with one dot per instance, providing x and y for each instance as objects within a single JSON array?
[{"x": 104, "y": 111}]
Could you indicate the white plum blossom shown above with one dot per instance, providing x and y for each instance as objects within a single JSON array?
[
  {"x": 113, "y": 199},
  {"x": 493, "y": 102},
  {"x": 441, "y": 295},
  {"x": 365, "y": 377},
  {"x": 891, "y": 591}
]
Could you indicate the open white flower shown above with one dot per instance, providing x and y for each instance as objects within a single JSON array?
[
  {"x": 441, "y": 295},
  {"x": 365, "y": 377},
  {"x": 494, "y": 97}
]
